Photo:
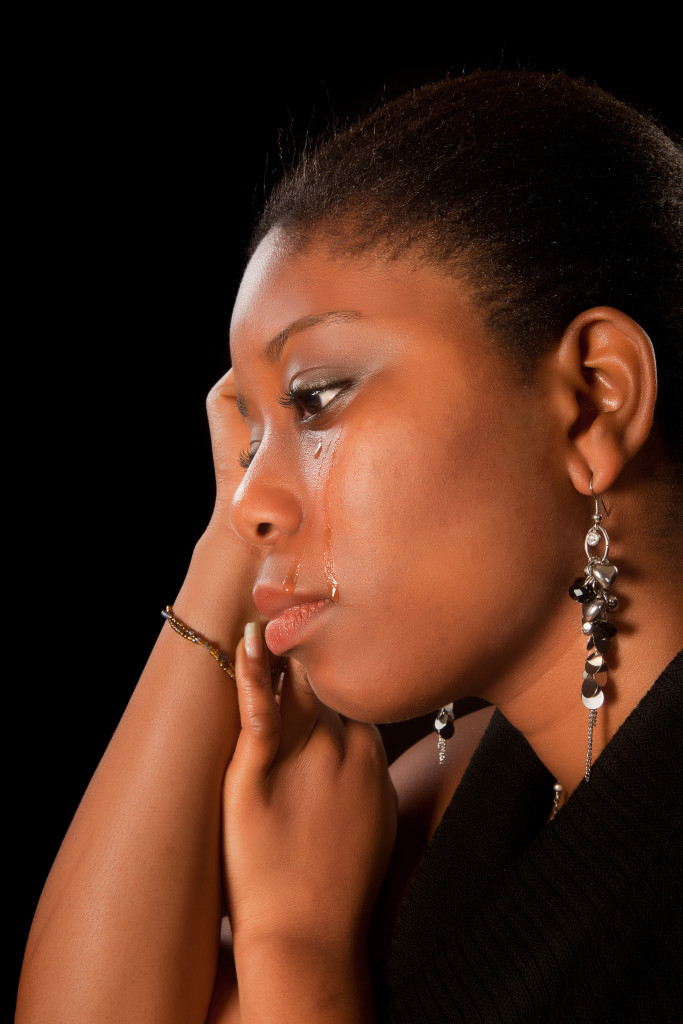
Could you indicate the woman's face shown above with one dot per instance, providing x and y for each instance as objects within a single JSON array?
[{"x": 398, "y": 476}]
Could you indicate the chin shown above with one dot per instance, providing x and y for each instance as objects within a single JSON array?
[{"x": 364, "y": 696}]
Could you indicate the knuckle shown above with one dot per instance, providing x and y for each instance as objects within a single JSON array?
[
  {"x": 367, "y": 745},
  {"x": 335, "y": 745},
  {"x": 326, "y": 745},
  {"x": 212, "y": 400},
  {"x": 222, "y": 389},
  {"x": 263, "y": 723}
]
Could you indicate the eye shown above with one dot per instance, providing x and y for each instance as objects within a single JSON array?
[
  {"x": 308, "y": 400},
  {"x": 316, "y": 400},
  {"x": 311, "y": 400}
]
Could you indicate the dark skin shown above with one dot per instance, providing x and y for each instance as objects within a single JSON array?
[
  {"x": 588, "y": 415},
  {"x": 441, "y": 483}
]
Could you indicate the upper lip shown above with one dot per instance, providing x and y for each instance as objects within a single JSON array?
[{"x": 272, "y": 601}]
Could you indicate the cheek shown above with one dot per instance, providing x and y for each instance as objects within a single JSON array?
[
  {"x": 397, "y": 547},
  {"x": 397, "y": 499},
  {"x": 441, "y": 564},
  {"x": 373, "y": 505}
]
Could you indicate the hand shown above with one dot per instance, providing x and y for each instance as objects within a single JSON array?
[
  {"x": 229, "y": 437},
  {"x": 309, "y": 816},
  {"x": 216, "y": 597}
]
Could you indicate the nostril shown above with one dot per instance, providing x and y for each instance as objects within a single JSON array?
[{"x": 263, "y": 529}]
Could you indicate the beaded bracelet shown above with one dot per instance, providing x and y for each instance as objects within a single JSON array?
[{"x": 196, "y": 638}]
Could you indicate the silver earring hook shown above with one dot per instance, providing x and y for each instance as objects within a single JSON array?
[{"x": 597, "y": 498}]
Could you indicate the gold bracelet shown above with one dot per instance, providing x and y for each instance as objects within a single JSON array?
[{"x": 196, "y": 638}]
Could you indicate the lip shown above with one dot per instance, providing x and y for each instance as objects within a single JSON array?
[{"x": 290, "y": 615}]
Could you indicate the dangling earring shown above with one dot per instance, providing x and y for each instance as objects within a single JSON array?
[
  {"x": 591, "y": 592},
  {"x": 443, "y": 727}
]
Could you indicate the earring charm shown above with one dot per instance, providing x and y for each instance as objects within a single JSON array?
[
  {"x": 444, "y": 728},
  {"x": 591, "y": 592}
]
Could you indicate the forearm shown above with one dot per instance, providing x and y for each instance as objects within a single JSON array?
[{"x": 127, "y": 926}]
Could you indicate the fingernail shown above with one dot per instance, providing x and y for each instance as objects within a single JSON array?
[{"x": 252, "y": 640}]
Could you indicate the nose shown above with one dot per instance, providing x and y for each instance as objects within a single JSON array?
[{"x": 266, "y": 505}]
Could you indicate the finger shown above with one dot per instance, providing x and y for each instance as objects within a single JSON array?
[
  {"x": 221, "y": 399},
  {"x": 300, "y": 709},
  {"x": 229, "y": 433},
  {"x": 259, "y": 737}
]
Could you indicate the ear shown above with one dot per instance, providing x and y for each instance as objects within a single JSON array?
[{"x": 608, "y": 385}]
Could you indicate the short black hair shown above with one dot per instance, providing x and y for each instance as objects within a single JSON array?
[{"x": 544, "y": 193}]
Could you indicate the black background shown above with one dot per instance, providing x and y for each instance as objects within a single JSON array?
[{"x": 140, "y": 158}]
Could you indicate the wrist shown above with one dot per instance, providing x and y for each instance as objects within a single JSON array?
[{"x": 319, "y": 978}]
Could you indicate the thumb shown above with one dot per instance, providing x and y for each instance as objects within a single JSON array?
[{"x": 259, "y": 738}]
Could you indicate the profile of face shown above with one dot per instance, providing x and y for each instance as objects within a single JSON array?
[{"x": 396, "y": 476}]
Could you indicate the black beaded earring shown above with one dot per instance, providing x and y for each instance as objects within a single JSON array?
[
  {"x": 591, "y": 591},
  {"x": 443, "y": 727}
]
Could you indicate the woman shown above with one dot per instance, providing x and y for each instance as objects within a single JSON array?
[{"x": 442, "y": 356}]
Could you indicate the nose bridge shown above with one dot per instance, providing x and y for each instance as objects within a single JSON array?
[{"x": 268, "y": 502}]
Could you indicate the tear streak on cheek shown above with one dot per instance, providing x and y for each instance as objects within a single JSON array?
[
  {"x": 328, "y": 557},
  {"x": 291, "y": 579}
]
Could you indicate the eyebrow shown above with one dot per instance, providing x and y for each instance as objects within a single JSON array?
[{"x": 273, "y": 349}]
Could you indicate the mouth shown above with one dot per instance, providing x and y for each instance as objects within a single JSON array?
[{"x": 292, "y": 616}]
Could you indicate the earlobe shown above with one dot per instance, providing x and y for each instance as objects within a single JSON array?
[{"x": 609, "y": 376}]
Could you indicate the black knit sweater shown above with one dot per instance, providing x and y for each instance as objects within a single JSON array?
[{"x": 512, "y": 919}]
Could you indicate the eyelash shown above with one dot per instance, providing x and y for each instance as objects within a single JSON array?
[
  {"x": 295, "y": 399},
  {"x": 246, "y": 457}
]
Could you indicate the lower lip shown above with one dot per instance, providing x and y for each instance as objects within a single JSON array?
[{"x": 286, "y": 630}]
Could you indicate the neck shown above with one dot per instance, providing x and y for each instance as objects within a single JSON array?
[{"x": 544, "y": 702}]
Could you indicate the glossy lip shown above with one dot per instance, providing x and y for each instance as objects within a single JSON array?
[{"x": 290, "y": 615}]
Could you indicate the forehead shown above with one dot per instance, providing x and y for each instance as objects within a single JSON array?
[{"x": 283, "y": 285}]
